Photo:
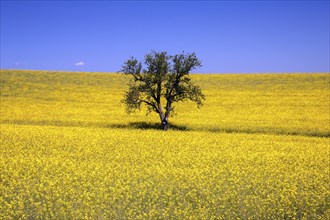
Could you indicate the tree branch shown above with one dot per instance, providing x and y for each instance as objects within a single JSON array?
[{"x": 150, "y": 104}]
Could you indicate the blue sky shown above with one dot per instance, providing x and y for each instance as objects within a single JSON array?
[{"x": 228, "y": 36}]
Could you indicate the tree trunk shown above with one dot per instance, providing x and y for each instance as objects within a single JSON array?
[{"x": 165, "y": 123}]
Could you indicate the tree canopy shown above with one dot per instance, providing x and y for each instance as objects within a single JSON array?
[{"x": 160, "y": 81}]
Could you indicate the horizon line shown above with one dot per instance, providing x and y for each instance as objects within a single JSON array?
[{"x": 211, "y": 73}]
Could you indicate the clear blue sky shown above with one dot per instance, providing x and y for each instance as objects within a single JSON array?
[{"x": 228, "y": 36}]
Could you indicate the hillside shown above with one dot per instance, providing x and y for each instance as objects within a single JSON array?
[
  {"x": 257, "y": 149},
  {"x": 259, "y": 103}
]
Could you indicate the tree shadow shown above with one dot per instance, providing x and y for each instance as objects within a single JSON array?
[
  {"x": 156, "y": 126},
  {"x": 131, "y": 125}
]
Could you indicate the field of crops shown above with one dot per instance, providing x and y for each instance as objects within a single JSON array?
[{"x": 259, "y": 148}]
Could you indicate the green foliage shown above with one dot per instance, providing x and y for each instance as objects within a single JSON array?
[{"x": 163, "y": 77}]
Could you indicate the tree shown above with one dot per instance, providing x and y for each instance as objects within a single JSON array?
[{"x": 160, "y": 81}]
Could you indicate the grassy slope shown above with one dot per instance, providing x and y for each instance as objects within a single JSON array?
[
  {"x": 68, "y": 149},
  {"x": 275, "y": 104}
]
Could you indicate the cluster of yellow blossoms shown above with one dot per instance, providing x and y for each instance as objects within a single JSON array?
[{"x": 69, "y": 151}]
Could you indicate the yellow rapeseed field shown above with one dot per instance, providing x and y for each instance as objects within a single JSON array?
[{"x": 259, "y": 148}]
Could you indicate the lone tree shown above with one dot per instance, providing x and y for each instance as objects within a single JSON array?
[{"x": 160, "y": 81}]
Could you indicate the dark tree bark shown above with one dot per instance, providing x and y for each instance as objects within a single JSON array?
[{"x": 165, "y": 124}]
